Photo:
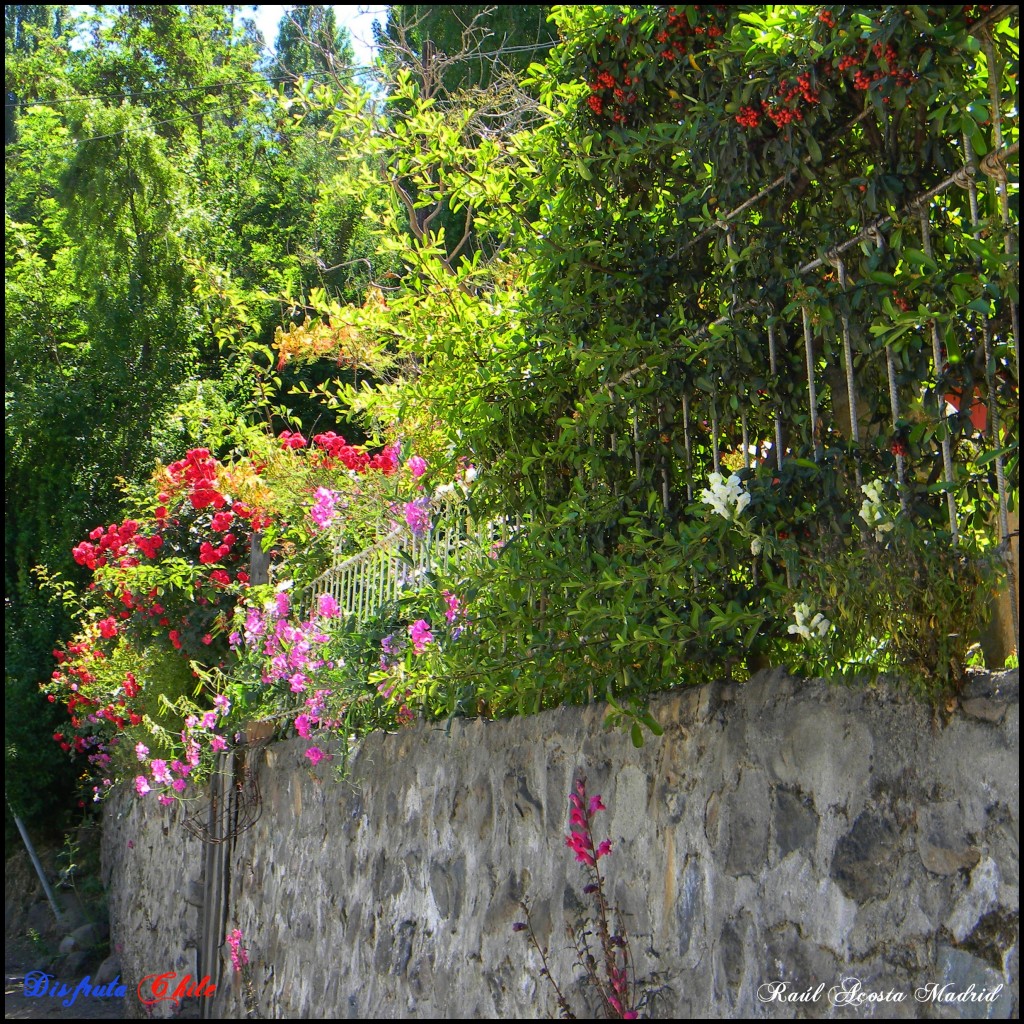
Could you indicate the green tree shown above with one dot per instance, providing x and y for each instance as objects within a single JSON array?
[
  {"x": 311, "y": 44},
  {"x": 34, "y": 35},
  {"x": 467, "y": 46}
]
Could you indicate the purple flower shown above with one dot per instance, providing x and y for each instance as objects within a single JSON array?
[
  {"x": 417, "y": 518},
  {"x": 318, "y": 702},
  {"x": 255, "y": 624}
]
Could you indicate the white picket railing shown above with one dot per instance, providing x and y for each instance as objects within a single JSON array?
[{"x": 364, "y": 582}]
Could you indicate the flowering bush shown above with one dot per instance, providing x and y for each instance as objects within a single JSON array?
[{"x": 177, "y": 649}]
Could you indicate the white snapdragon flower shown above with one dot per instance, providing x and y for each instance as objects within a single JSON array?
[
  {"x": 873, "y": 511},
  {"x": 809, "y": 626},
  {"x": 726, "y": 497}
]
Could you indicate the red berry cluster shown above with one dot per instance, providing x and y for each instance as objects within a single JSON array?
[
  {"x": 785, "y": 106},
  {"x": 974, "y": 12},
  {"x": 613, "y": 82},
  {"x": 748, "y": 117},
  {"x": 888, "y": 67}
]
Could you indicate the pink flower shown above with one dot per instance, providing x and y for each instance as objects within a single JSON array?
[
  {"x": 323, "y": 511},
  {"x": 327, "y": 607},
  {"x": 141, "y": 785},
  {"x": 419, "y": 633},
  {"x": 209, "y": 719},
  {"x": 417, "y": 466},
  {"x": 239, "y": 954},
  {"x": 302, "y": 723},
  {"x": 222, "y": 703},
  {"x": 166, "y": 800},
  {"x": 160, "y": 772},
  {"x": 141, "y": 751},
  {"x": 316, "y": 755},
  {"x": 454, "y": 606},
  {"x": 218, "y": 743},
  {"x": 580, "y": 846}
]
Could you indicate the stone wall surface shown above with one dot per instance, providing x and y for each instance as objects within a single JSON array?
[{"x": 781, "y": 831}]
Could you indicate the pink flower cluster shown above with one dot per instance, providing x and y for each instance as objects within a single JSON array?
[
  {"x": 290, "y": 651},
  {"x": 173, "y": 776},
  {"x": 323, "y": 511},
  {"x": 581, "y": 836},
  {"x": 239, "y": 954},
  {"x": 419, "y": 633}
]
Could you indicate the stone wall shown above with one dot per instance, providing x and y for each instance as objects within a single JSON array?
[{"x": 780, "y": 831}]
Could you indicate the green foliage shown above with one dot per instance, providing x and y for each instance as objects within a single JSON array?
[
  {"x": 604, "y": 286},
  {"x": 157, "y": 207},
  {"x": 608, "y": 350}
]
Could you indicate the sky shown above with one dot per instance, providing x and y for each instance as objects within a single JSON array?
[{"x": 358, "y": 20}]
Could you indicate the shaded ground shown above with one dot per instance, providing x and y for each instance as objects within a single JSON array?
[
  {"x": 67, "y": 951},
  {"x": 18, "y": 961}
]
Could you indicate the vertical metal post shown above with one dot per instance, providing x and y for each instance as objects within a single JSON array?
[
  {"x": 851, "y": 392},
  {"x": 663, "y": 460},
  {"x": 773, "y": 360},
  {"x": 947, "y": 448},
  {"x": 894, "y": 406},
  {"x": 995, "y": 101},
  {"x": 812, "y": 390},
  {"x": 715, "y": 453},
  {"x": 993, "y": 414},
  {"x": 689, "y": 447}
]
